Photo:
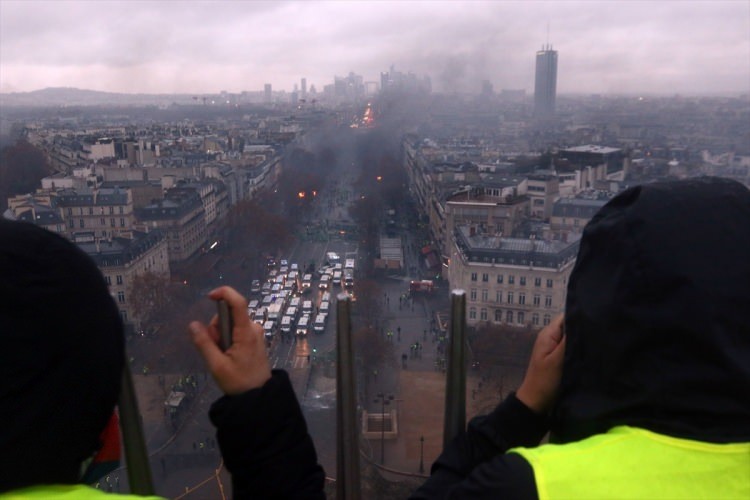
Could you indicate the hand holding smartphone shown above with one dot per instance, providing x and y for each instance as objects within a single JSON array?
[{"x": 226, "y": 325}]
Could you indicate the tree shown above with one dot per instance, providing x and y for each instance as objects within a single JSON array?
[
  {"x": 22, "y": 167},
  {"x": 256, "y": 231},
  {"x": 156, "y": 300},
  {"x": 373, "y": 348}
]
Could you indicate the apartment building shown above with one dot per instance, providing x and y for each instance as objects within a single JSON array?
[
  {"x": 121, "y": 259},
  {"x": 570, "y": 215},
  {"x": 182, "y": 217},
  {"x": 510, "y": 281},
  {"x": 105, "y": 212}
]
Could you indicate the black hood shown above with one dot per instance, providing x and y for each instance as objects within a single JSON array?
[
  {"x": 658, "y": 315},
  {"x": 61, "y": 358}
]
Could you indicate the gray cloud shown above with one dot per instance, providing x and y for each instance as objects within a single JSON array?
[{"x": 196, "y": 47}]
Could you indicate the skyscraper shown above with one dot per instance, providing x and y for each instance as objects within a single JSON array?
[
  {"x": 545, "y": 86},
  {"x": 267, "y": 93}
]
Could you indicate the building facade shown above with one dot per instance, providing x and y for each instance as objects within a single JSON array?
[
  {"x": 105, "y": 212},
  {"x": 510, "y": 281},
  {"x": 121, "y": 259},
  {"x": 182, "y": 217}
]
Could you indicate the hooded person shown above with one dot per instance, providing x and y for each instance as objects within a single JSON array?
[
  {"x": 645, "y": 384},
  {"x": 61, "y": 363}
]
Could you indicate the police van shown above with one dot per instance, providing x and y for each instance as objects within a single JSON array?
[
  {"x": 303, "y": 326},
  {"x": 286, "y": 324}
]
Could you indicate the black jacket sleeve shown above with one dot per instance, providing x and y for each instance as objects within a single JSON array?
[
  {"x": 475, "y": 465},
  {"x": 265, "y": 444}
]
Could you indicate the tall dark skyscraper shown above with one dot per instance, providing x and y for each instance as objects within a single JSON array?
[{"x": 545, "y": 86}]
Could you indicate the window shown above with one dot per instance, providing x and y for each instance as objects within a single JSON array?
[
  {"x": 546, "y": 319},
  {"x": 484, "y": 295},
  {"x": 511, "y": 279},
  {"x": 112, "y": 222},
  {"x": 485, "y": 277},
  {"x": 498, "y": 315},
  {"x": 548, "y": 301},
  {"x": 119, "y": 279},
  {"x": 121, "y": 211},
  {"x": 102, "y": 221},
  {"x": 509, "y": 317},
  {"x": 72, "y": 223},
  {"x": 108, "y": 280},
  {"x": 510, "y": 297},
  {"x": 523, "y": 280},
  {"x": 473, "y": 276},
  {"x": 499, "y": 279},
  {"x": 121, "y": 297},
  {"x": 111, "y": 210},
  {"x": 80, "y": 222},
  {"x": 535, "y": 319},
  {"x": 537, "y": 300},
  {"x": 483, "y": 314},
  {"x": 473, "y": 294},
  {"x": 521, "y": 317},
  {"x": 70, "y": 211},
  {"x": 124, "y": 316},
  {"x": 472, "y": 313},
  {"x": 91, "y": 210},
  {"x": 549, "y": 283},
  {"x": 498, "y": 296},
  {"x": 537, "y": 281},
  {"x": 522, "y": 298},
  {"x": 122, "y": 222}
]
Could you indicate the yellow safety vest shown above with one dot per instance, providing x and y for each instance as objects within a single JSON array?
[
  {"x": 68, "y": 492},
  {"x": 629, "y": 462}
]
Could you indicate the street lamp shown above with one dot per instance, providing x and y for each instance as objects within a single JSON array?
[
  {"x": 384, "y": 400},
  {"x": 421, "y": 454}
]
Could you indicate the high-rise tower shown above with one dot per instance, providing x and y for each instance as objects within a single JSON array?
[{"x": 545, "y": 86}]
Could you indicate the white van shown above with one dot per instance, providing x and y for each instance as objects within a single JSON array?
[
  {"x": 349, "y": 264},
  {"x": 324, "y": 307},
  {"x": 303, "y": 326},
  {"x": 286, "y": 324},
  {"x": 307, "y": 307},
  {"x": 268, "y": 328},
  {"x": 320, "y": 323},
  {"x": 291, "y": 311},
  {"x": 324, "y": 281}
]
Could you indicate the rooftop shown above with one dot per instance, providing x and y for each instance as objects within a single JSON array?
[{"x": 485, "y": 248}]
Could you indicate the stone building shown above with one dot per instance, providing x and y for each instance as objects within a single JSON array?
[{"x": 511, "y": 281}]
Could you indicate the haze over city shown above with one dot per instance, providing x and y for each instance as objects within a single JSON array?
[{"x": 203, "y": 47}]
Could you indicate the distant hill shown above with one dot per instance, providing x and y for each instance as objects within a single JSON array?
[{"x": 67, "y": 96}]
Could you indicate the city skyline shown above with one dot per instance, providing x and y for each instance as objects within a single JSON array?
[{"x": 206, "y": 47}]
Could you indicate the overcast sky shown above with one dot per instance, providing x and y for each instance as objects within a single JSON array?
[{"x": 202, "y": 47}]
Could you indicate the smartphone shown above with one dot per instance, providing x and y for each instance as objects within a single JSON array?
[{"x": 226, "y": 325}]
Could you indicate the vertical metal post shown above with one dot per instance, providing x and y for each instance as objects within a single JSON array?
[
  {"x": 136, "y": 454},
  {"x": 421, "y": 454},
  {"x": 455, "y": 384},
  {"x": 347, "y": 441}
]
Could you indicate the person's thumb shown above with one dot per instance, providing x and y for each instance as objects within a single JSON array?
[{"x": 205, "y": 345}]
